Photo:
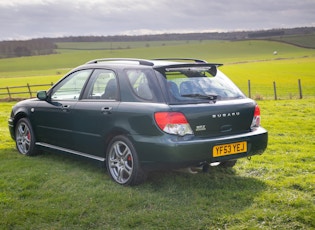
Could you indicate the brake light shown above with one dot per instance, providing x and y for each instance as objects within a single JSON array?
[
  {"x": 256, "y": 119},
  {"x": 173, "y": 123}
]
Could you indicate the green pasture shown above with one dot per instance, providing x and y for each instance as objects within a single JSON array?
[
  {"x": 69, "y": 46},
  {"x": 226, "y": 52},
  {"x": 285, "y": 73},
  {"x": 307, "y": 40},
  {"x": 271, "y": 191}
]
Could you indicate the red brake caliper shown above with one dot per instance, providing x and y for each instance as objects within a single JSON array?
[{"x": 129, "y": 159}]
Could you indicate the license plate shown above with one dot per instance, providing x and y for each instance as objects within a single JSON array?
[{"x": 229, "y": 149}]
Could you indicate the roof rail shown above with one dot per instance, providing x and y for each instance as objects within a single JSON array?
[
  {"x": 180, "y": 59},
  {"x": 140, "y": 61}
]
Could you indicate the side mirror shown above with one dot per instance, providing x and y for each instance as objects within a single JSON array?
[{"x": 42, "y": 95}]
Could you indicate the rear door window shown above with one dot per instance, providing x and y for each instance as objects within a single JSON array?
[
  {"x": 103, "y": 85},
  {"x": 143, "y": 84}
]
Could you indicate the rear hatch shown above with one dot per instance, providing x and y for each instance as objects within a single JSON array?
[
  {"x": 212, "y": 104},
  {"x": 220, "y": 118}
]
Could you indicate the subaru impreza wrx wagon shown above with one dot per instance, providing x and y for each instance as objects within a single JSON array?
[{"x": 139, "y": 115}]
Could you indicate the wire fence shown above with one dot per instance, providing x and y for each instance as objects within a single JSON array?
[{"x": 267, "y": 91}]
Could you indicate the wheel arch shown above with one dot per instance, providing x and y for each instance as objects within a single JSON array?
[
  {"x": 114, "y": 133},
  {"x": 18, "y": 116}
]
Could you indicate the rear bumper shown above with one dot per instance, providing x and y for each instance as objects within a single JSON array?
[{"x": 170, "y": 151}]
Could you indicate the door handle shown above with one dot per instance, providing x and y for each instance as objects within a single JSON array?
[
  {"x": 106, "y": 110},
  {"x": 65, "y": 108}
]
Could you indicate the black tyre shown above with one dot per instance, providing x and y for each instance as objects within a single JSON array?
[
  {"x": 122, "y": 162},
  {"x": 24, "y": 138},
  {"x": 228, "y": 164}
]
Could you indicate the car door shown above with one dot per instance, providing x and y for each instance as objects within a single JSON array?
[
  {"x": 53, "y": 118},
  {"x": 94, "y": 115}
]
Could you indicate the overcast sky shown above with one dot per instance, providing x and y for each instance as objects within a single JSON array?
[{"x": 25, "y": 19}]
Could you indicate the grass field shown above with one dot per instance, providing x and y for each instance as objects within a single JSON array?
[
  {"x": 284, "y": 72},
  {"x": 272, "y": 191},
  {"x": 307, "y": 40}
]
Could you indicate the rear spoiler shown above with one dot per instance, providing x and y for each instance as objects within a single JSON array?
[{"x": 210, "y": 67}]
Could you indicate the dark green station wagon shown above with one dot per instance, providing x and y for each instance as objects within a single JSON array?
[{"x": 140, "y": 115}]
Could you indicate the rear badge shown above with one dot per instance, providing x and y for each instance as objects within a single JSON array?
[
  {"x": 200, "y": 128},
  {"x": 220, "y": 115}
]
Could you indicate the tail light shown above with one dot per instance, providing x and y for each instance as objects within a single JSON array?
[
  {"x": 256, "y": 119},
  {"x": 173, "y": 123}
]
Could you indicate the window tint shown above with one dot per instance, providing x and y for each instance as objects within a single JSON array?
[
  {"x": 104, "y": 85},
  {"x": 195, "y": 86},
  {"x": 140, "y": 83},
  {"x": 71, "y": 87}
]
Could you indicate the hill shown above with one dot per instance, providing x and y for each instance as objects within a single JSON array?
[
  {"x": 234, "y": 35},
  {"x": 303, "y": 37}
]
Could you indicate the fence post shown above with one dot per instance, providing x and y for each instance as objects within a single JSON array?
[
  {"x": 8, "y": 89},
  {"x": 300, "y": 88},
  {"x": 249, "y": 90},
  {"x": 275, "y": 89},
  {"x": 29, "y": 90}
]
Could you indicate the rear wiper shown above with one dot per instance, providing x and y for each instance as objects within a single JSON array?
[{"x": 201, "y": 96}]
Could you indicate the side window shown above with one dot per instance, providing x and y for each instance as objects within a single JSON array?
[
  {"x": 71, "y": 87},
  {"x": 104, "y": 85},
  {"x": 140, "y": 84}
]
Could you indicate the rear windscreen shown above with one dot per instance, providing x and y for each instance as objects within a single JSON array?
[{"x": 196, "y": 85}]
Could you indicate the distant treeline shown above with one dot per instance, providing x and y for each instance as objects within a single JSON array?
[
  {"x": 236, "y": 35},
  {"x": 43, "y": 46}
]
